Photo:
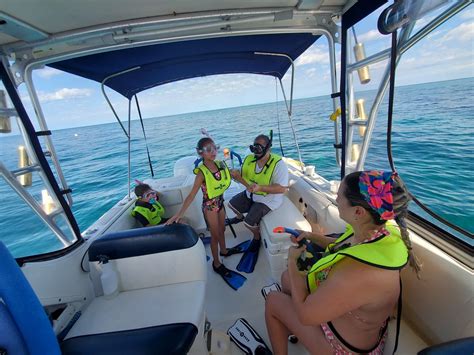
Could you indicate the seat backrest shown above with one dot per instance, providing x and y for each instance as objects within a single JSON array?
[{"x": 21, "y": 313}]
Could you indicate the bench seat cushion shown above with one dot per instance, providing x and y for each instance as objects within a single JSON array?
[
  {"x": 146, "y": 317},
  {"x": 143, "y": 241},
  {"x": 149, "y": 307},
  {"x": 163, "y": 339}
]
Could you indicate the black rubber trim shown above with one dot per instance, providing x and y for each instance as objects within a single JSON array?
[
  {"x": 43, "y": 133},
  {"x": 143, "y": 241},
  {"x": 336, "y": 94},
  {"x": 163, "y": 339},
  {"x": 49, "y": 256},
  {"x": 66, "y": 191},
  {"x": 441, "y": 234}
]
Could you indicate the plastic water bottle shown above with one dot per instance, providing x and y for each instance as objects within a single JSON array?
[{"x": 109, "y": 279}]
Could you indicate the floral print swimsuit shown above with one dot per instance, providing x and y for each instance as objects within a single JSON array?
[{"x": 212, "y": 204}]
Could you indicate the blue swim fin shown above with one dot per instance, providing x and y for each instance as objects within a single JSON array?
[
  {"x": 250, "y": 257},
  {"x": 232, "y": 278},
  {"x": 236, "y": 249}
]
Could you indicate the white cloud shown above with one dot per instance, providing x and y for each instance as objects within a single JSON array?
[
  {"x": 369, "y": 36},
  {"x": 64, "y": 94},
  {"x": 464, "y": 32},
  {"x": 311, "y": 72},
  {"x": 313, "y": 55},
  {"x": 467, "y": 14},
  {"x": 47, "y": 72}
]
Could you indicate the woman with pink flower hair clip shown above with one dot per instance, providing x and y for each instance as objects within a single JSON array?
[{"x": 343, "y": 304}]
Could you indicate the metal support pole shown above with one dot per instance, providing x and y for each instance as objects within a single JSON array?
[
  {"x": 350, "y": 116},
  {"x": 44, "y": 127},
  {"x": 334, "y": 88},
  {"x": 11, "y": 180},
  {"x": 291, "y": 124},
  {"x": 405, "y": 33},
  {"x": 289, "y": 107},
  {"x": 382, "y": 55},
  {"x": 102, "y": 87},
  {"x": 129, "y": 146}
]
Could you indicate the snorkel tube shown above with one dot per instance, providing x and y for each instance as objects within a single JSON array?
[
  {"x": 309, "y": 257},
  {"x": 293, "y": 232}
]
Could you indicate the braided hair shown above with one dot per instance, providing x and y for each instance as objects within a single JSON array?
[{"x": 401, "y": 199}]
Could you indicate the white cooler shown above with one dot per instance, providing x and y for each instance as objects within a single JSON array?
[{"x": 277, "y": 244}]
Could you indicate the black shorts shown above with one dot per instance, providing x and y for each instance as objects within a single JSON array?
[{"x": 255, "y": 210}]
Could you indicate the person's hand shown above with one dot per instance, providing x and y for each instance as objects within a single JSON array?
[
  {"x": 254, "y": 188},
  {"x": 174, "y": 219},
  {"x": 317, "y": 229},
  {"x": 235, "y": 174},
  {"x": 295, "y": 252},
  {"x": 302, "y": 235}
]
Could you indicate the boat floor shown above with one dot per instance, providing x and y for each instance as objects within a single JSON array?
[{"x": 224, "y": 305}]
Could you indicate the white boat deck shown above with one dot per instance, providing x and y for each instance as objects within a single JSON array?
[{"x": 224, "y": 305}]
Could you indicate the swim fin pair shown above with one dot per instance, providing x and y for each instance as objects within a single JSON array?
[
  {"x": 232, "y": 278},
  {"x": 247, "y": 339},
  {"x": 237, "y": 249},
  {"x": 250, "y": 257}
]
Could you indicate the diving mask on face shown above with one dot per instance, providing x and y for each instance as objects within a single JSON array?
[
  {"x": 257, "y": 148},
  {"x": 211, "y": 148},
  {"x": 151, "y": 196}
]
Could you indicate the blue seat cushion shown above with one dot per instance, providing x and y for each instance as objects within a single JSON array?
[
  {"x": 143, "y": 241},
  {"x": 24, "y": 309},
  {"x": 163, "y": 339},
  {"x": 11, "y": 341}
]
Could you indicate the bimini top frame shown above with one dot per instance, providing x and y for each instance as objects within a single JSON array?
[{"x": 37, "y": 45}]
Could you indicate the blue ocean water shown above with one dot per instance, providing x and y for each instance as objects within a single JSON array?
[{"x": 432, "y": 148}]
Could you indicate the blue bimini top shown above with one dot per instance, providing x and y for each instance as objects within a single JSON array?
[{"x": 165, "y": 63}]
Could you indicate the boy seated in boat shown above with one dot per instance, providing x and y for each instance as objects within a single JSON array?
[{"x": 148, "y": 211}]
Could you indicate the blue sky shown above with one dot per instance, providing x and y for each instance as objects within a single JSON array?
[{"x": 448, "y": 53}]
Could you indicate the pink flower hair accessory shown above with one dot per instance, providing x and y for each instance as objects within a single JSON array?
[{"x": 376, "y": 188}]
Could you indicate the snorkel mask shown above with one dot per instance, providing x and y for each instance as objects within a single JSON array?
[
  {"x": 151, "y": 196},
  {"x": 259, "y": 150}
]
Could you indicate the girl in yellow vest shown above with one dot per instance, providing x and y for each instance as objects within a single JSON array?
[
  {"x": 342, "y": 305},
  {"x": 213, "y": 178},
  {"x": 148, "y": 211}
]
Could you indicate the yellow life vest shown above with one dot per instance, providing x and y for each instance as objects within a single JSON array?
[
  {"x": 215, "y": 187},
  {"x": 386, "y": 252},
  {"x": 264, "y": 177},
  {"x": 152, "y": 215}
]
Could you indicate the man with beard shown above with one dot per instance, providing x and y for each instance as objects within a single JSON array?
[{"x": 265, "y": 176}]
